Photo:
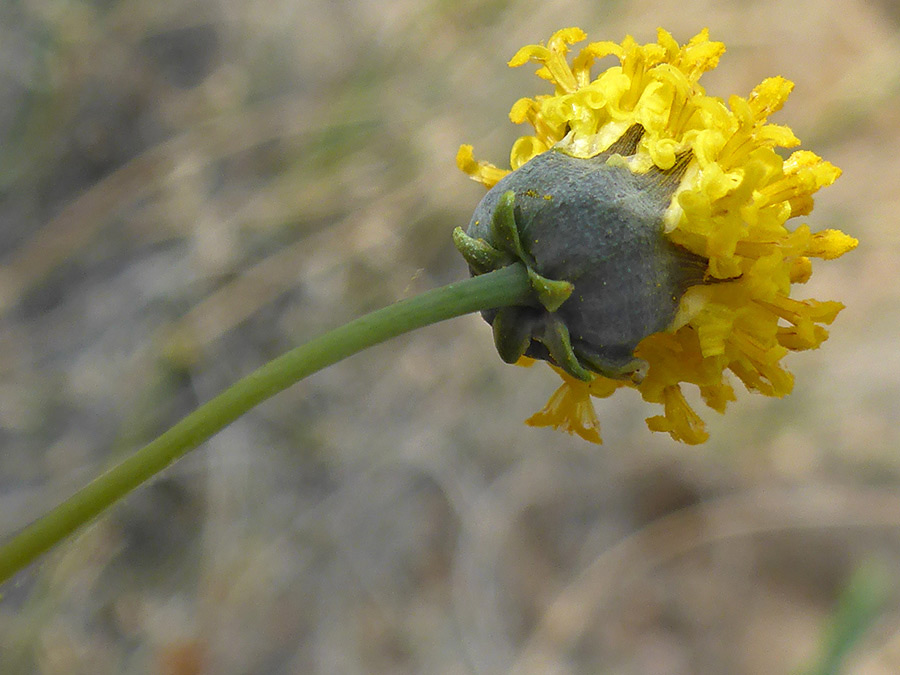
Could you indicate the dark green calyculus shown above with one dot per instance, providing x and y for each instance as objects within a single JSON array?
[{"x": 604, "y": 275}]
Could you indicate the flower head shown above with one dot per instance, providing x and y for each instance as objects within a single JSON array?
[{"x": 652, "y": 220}]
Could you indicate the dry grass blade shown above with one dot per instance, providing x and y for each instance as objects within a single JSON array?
[{"x": 595, "y": 589}]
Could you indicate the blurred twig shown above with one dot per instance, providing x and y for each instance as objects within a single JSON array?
[
  {"x": 744, "y": 515},
  {"x": 78, "y": 222},
  {"x": 857, "y": 610}
]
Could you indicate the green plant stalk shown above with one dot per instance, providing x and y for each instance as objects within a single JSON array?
[{"x": 507, "y": 286}]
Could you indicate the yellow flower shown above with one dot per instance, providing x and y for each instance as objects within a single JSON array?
[{"x": 729, "y": 208}]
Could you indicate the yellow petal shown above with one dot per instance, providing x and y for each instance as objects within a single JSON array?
[
  {"x": 569, "y": 409},
  {"x": 679, "y": 420},
  {"x": 830, "y": 244},
  {"x": 484, "y": 172}
]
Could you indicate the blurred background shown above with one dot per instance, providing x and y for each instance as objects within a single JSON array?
[{"x": 190, "y": 188}]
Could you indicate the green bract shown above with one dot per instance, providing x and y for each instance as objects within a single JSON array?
[{"x": 605, "y": 276}]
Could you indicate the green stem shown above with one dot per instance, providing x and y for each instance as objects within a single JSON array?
[{"x": 507, "y": 286}]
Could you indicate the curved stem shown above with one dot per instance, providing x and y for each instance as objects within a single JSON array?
[{"x": 507, "y": 286}]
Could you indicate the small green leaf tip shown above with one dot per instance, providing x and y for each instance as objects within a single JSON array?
[
  {"x": 481, "y": 256},
  {"x": 512, "y": 333},
  {"x": 504, "y": 229},
  {"x": 555, "y": 338},
  {"x": 551, "y": 293}
]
